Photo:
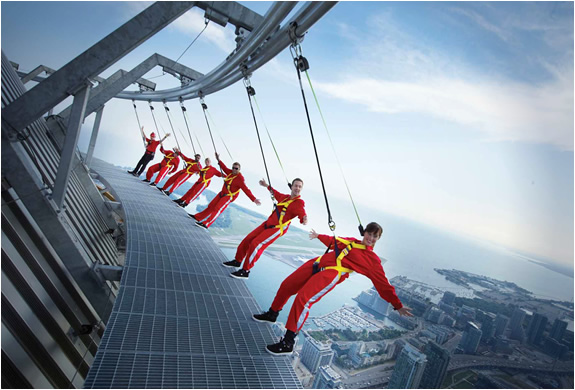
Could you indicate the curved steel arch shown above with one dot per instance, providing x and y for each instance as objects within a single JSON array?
[{"x": 262, "y": 45}]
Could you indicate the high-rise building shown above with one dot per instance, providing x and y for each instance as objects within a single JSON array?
[
  {"x": 554, "y": 348},
  {"x": 371, "y": 299},
  {"x": 558, "y": 329},
  {"x": 356, "y": 352},
  {"x": 315, "y": 354},
  {"x": 487, "y": 327},
  {"x": 536, "y": 328},
  {"x": 501, "y": 322},
  {"x": 470, "y": 340},
  {"x": 436, "y": 367},
  {"x": 517, "y": 318},
  {"x": 434, "y": 315},
  {"x": 448, "y": 298},
  {"x": 408, "y": 370},
  {"x": 516, "y": 324},
  {"x": 367, "y": 297},
  {"x": 327, "y": 378}
]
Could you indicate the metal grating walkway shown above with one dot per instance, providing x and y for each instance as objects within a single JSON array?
[{"x": 179, "y": 320}]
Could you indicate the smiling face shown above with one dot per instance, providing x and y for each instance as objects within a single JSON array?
[
  {"x": 372, "y": 233},
  {"x": 370, "y": 238},
  {"x": 296, "y": 188},
  {"x": 208, "y": 162},
  {"x": 235, "y": 168}
]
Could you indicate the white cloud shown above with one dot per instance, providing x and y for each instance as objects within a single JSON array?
[
  {"x": 401, "y": 74},
  {"x": 512, "y": 111},
  {"x": 502, "y": 33}
]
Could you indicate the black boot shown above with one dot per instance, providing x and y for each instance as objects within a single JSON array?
[
  {"x": 232, "y": 263},
  {"x": 268, "y": 316},
  {"x": 285, "y": 345}
]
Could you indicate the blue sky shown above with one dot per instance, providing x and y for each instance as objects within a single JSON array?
[{"x": 458, "y": 115}]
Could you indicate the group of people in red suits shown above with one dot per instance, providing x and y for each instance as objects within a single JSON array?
[{"x": 310, "y": 282}]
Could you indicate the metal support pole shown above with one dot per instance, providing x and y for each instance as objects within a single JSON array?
[
  {"x": 94, "y": 136},
  {"x": 46, "y": 95},
  {"x": 72, "y": 134}
]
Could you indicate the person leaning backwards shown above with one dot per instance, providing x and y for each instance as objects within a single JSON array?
[
  {"x": 317, "y": 277},
  {"x": 255, "y": 243}
]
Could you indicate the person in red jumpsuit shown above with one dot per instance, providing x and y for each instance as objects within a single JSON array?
[
  {"x": 168, "y": 165},
  {"x": 255, "y": 243},
  {"x": 199, "y": 186},
  {"x": 192, "y": 166},
  {"x": 233, "y": 183},
  {"x": 318, "y": 276},
  {"x": 151, "y": 145}
]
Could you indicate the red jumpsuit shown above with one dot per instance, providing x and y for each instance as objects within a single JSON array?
[
  {"x": 199, "y": 186},
  {"x": 310, "y": 287},
  {"x": 152, "y": 144},
  {"x": 255, "y": 243},
  {"x": 230, "y": 191},
  {"x": 170, "y": 162},
  {"x": 192, "y": 166}
]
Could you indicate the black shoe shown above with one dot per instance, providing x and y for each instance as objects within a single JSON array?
[
  {"x": 240, "y": 274},
  {"x": 146, "y": 181},
  {"x": 130, "y": 172},
  {"x": 281, "y": 348},
  {"x": 232, "y": 263},
  {"x": 153, "y": 184},
  {"x": 192, "y": 216},
  {"x": 167, "y": 192},
  {"x": 183, "y": 205},
  {"x": 201, "y": 225},
  {"x": 178, "y": 201},
  {"x": 268, "y": 316},
  {"x": 159, "y": 189},
  {"x": 135, "y": 174}
]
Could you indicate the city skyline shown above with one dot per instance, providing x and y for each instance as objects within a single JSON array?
[{"x": 475, "y": 138}]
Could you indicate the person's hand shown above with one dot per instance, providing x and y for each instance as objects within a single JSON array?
[
  {"x": 405, "y": 311},
  {"x": 263, "y": 183},
  {"x": 304, "y": 220},
  {"x": 257, "y": 201},
  {"x": 167, "y": 135},
  {"x": 217, "y": 156},
  {"x": 313, "y": 234}
]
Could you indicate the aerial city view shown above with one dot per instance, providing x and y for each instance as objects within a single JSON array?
[{"x": 263, "y": 194}]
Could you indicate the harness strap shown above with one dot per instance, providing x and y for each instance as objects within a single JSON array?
[
  {"x": 281, "y": 225},
  {"x": 170, "y": 158},
  {"x": 203, "y": 175},
  {"x": 229, "y": 180},
  {"x": 338, "y": 267},
  {"x": 189, "y": 165}
]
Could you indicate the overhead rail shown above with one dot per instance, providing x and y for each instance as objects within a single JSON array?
[{"x": 260, "y": 46}]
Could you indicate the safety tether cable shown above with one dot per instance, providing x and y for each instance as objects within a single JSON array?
[
  {"x": 271, "y": 141},
  {"x": 187, "y": 119},
  {"x": 171, "y": 125},
  {"x": 221, "y": 138},
  {"x": 154, "y": 118},
  {"x": 335, "y": 154},
  {"x": 204, "y": 109},
  {"x": 206, "y": 21},
  {"x": 188, "y": 127},
  {"x": 251, "y": 92},
  {"x": 301, "y": 64},
  {"x": 138, "y": 119}
]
